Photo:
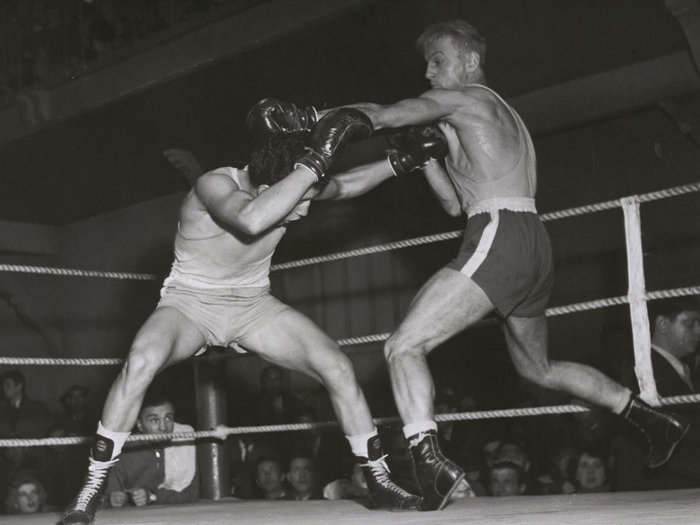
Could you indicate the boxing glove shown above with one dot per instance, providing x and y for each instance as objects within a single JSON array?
[
  {"x": 330, "y": 136},
  {"x": 414, "y": 147},
  {"x": 271, "y": 116}
]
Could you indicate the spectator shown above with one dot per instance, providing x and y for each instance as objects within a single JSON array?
[
  {"x": 505, "y": 478},
  {"x": 269, "y": 479},
  {"x": 27, "y": 495},
  {"x": 589, "y": 471},
  {"x": 161, "y": 473},
  {"x": 78, "y": 418},
  {"x": 675, "y": 331},
  {"x": 303, "y": 478},
  {"x": 16, "y": 462},
  {"x": 351, "y": 485},
  {"x": 556, "y": 476},
  {"x": 21, "y": 416},
  {"x": 244, "y": 453},
  {"x": 275, "y": 404}
]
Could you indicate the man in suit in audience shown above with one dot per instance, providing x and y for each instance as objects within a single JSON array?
[{"x": 675, "y": 326}]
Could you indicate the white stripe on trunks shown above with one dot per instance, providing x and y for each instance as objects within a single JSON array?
[{"x": 482, "y": 249}]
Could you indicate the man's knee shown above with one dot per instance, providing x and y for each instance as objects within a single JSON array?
[
  {"x": 143, "y": 362},
  {"x": 339, "y": 373},
  {"x": 540, "y": 374},
  {"x": 403, "y": 346}
]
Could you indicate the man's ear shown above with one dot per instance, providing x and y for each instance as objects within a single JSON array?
[
  {"x": 473, "y": 60},
  {"x": 262, "y": 188},
  {"x": 661, "y": 324},
  {"x": 139, "y": 425}
]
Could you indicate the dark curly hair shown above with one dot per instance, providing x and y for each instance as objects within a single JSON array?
[{"x": 274, "y": 160}]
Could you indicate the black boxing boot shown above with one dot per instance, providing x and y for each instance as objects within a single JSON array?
[
  {"x": 437, "y": 476},
  {"x": 662, "y": 431},
  {"x": 82, "y": 509},
  {"x": 383, "y": 493}
]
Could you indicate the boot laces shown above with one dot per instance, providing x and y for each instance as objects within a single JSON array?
[
  {"x": 380, "y": 472},
  {"x": 97, "y": 472}
]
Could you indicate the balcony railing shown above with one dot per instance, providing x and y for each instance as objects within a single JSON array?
[{"x": 47, "y": 42}]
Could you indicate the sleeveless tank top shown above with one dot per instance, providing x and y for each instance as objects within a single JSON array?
[
  {"x": 515, "y": 190},
  {"x": 224, "y": 259}
]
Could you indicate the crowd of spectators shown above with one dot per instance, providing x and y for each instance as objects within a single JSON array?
[
  {"x": 46, "y": 42},
  {"x": 580, "y": 452}
]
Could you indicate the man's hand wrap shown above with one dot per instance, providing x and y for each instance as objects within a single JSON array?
[
  {"x": 415, "y": 147},
  {"x": 330, "y": 136},
  {"x": 271, "y": 116}
]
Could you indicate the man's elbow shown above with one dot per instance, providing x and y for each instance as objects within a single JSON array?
[{"x": 452, "y": 209}]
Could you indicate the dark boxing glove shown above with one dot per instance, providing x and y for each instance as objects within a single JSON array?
[
  {"x": 415, "y": 147},
  {"x": 330, "y": 136},
  {"x": 271, "y": 116}
]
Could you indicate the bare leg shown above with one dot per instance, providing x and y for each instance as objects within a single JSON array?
[
  {"x": 295, "y": 342},
  {"x": 166, "y": 338},
  {"x": 447, "y": 304},
  {"x": 527, "y": 344}
]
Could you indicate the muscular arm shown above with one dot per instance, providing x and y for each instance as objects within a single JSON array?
[
  {"x": 430, "y": 106},
  {"x": 442, "y": 188},
  {"x": 247, "y": 213},
  {"x": 356, "y": 181}
]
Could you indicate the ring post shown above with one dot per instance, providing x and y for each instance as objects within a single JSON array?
[{"x": 210, "y": 381}]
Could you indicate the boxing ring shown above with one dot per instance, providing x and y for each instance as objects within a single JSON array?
[
  {"x": 615, "y": 507},
  {"x": 620, "y": 508}
]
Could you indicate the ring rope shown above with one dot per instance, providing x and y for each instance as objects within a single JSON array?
[
  {"x": 223, "y": 432},
  {"x": 417, "y": 241},
  {"x": 364, "y": 339}
]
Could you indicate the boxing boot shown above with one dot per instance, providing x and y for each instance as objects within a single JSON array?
[
  {"x": 437, "y": 476},
  {"x": 82, "y": 509},
  {"x": 662, "y": 431},
  {"x": 383, "y": 493}
]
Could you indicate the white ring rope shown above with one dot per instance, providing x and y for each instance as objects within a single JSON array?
[
  {"x": 364, "y": 339},
  {"x": 222, "y": 432},
  {"x": 417, "y": 241}
]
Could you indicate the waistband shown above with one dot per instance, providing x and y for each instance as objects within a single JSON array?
[{"x": 518, "y": 204}]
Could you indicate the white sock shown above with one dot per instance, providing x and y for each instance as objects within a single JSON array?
[
  {"x": 118, "y": 438},
  {"x": 358, "y": 443},
  {"x": 420, "y": 426},
  {"x": 622, "y": 403}
]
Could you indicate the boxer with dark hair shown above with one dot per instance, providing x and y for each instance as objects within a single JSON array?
[{"x": 218, "y": 293}]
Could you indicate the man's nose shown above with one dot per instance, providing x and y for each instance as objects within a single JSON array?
[{"x": 429, "y": 72}]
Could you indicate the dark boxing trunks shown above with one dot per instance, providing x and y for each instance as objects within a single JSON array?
[{"x": 508, "y": 254}]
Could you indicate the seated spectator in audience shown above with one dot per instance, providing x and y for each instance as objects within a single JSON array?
[
  {"x": 20, "y": 461},
  {"x": 21, "y": 416},
  {"x": 78, "y": 419},
  {"x": 675, "y": 332},
  {"x": 589, "y": 472},
  {"x": 26, "y": 495},
  {"x": 511, "y": 452},
  {"x": 275, "y": 405},
  {"x": 325, "y": 446},
  {"x": 164, "y": 472},
  {"x": 555, "y": 478},
  {"x": 505, "y": 478},
  {"x": 244, "y": 453},
  {"x": 351, "y": 485},
  {"x": 302, "y": 477},
  {"x": 269, "y": 479}
]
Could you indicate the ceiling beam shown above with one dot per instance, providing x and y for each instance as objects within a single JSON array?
[
  {"x": 608, "y": 94},
  {"x": 179, "y": 56}
]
